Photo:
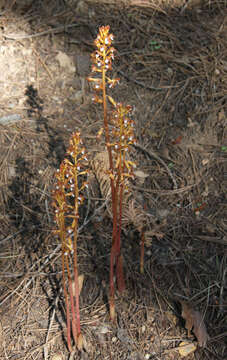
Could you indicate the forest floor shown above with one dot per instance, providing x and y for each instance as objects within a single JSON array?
[{"x": 172, "y": 63}]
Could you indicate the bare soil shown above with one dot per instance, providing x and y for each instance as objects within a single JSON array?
[{"x": 172, "y": 62}]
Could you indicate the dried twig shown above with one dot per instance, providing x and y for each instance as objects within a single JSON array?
[
  {"x": 151, "y": 155},
  {"x": 46, "y": 32},
  {"x": 43, "y": 64},
  {"x": 45, "y": 348}
]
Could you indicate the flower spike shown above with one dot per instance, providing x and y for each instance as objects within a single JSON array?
[
  {"x": 67, "y": 198},
  {"x": 118, "y": 141}
]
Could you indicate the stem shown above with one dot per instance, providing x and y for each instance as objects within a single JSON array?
[
  {"x": 120, "y": 274},
  {"x": 107, "y": 140},
  {"x": 76, "y": 284},
  {"x": 67, "y": 305},
  {"x": 113, "y": 195},
  {"x": 119, "y": 264},
  {"x": 119, "y": 186},
  {"x": 71, "y": 301},
  {"x": 119, "y": 260},
  {"x": 76, "y": 317},
  {"x": 63, "y": 240},
  {"x": 111, "y": 300},
  {"x": 105, "y": 117}
]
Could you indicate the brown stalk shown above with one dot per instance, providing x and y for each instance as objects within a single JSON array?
[
  {"x": 113, "y": 195},
  {"x": 119, "y": 260},
  {"x": 76, "y": 284},
  {"x": 107, "y": 140},
  {"x": 68, "y": 322},
  {"x": 71, "y": 300},
  {"x": 102, "y": 62},
  {"x": 65, "y": 262}
]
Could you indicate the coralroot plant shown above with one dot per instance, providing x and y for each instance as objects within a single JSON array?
[
  {"x": 119, "y": 135},
  {"x": 67, "y": 198}
]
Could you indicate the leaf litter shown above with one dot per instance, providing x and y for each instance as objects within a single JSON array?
[{"x": 183, "y": 241}]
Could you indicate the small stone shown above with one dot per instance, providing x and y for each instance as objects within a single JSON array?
[
  {"x": 114, "y": 339},
  {"x": 78, "y": 97},
  {"x": 170, "y": 71},
  {"x": 12, "y": 172},
  {"x": 83, "y": 62},
  {"x": 205, "y": 162},
  {"x": 104, "y": 329},
  {"x": 82, "y": 8},
  {"x": 162, "y": 213},
  {"x": 57, "y": 357},
  {"x": 65, "y": 62}
]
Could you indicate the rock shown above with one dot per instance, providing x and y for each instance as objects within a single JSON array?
[{"x": 66, "y": 62}]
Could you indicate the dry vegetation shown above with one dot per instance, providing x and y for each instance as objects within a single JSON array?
[{"x": 172, "y": 61}]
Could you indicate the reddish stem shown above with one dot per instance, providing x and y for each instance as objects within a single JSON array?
[
  {"x": 71, "y": 301},
  {"x": 119, "y": 260},
  {"x": 120, "y": 274},
  {"x": 76, "y": 283},
  {"x": 76, "y": 315},
  {"x": 113, "y": 195},
  {"x": 67, "y": 305},
  {"x": 111, "y": 301}
]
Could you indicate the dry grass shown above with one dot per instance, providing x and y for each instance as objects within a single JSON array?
[{"x": 172, "y": 62}]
